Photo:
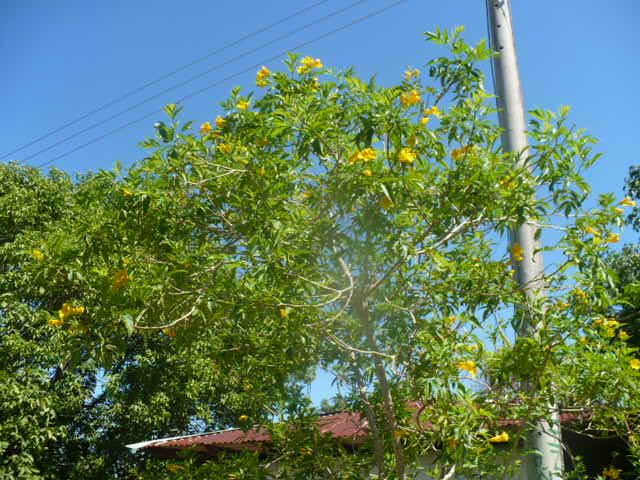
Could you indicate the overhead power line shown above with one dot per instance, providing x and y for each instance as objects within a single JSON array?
[
  {"x": 128, "y": 94},
  {"x": 191, "y": 79},
  {"x": 226, "y": 79}
]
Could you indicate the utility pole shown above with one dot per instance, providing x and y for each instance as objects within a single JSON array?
[{"x": 546, "y": 460}]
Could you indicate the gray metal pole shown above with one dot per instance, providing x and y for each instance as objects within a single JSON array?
[{"x": 546, "y": 461}]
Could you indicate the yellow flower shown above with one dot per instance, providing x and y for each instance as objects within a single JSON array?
[
  {"x": 435, "y": 111},
  {"x": 386, "y": 203},
  {"x": 127, "y": 192},
  {"x": 612, "y": 324},
  {"x": 67, "y": 310},
  {"x": 579, "y": 293},
  {"x": 225, "y": 148},
  {"x": 562, "y": 305},
  {"x": 469, "y": 366},
  {"x": 220, "y": 122},
  {"x": 502, "y": 438},
  {"x": 55, "y": 321},
  {"x": 120, "y": 279},
  {"x": 618, "y": 210},
  {"x": 584, "y": 340},
  {"x": 262, "y": 77},
  {"x": 599, "y": 322},
  {"x": 38, "y": 255},
  {"x": 611, "y": 472},
  {"x": 308, "y": 64},
  {"x": 365, "y": 155},
  {"x": 284, "y": 313},
  {"x": 592, "y": 231},
  {"x": 243, "y": 418},
  {"x": 173, "y": 468},
  {"x": 411, "y": 74},
  {"x": 472, "y": 348},
  {"x": 622, "y": 335},
  {"x": 169, "y": 332},
  {"x": 206, "y": 128},
  {"x": 611, "y": 332},
  {"x": 517, "y": 252},
  {"x": 613, "y": 238},
  {"x": 307, "y": 194},
  {"x": 242, "y": 105},
  {"x": 635, "y": 364},
  {"x": 407, "y": 156},
  {"x": 424, "y": 121},
  {"x": 410, "y": 98},
  {"x": 367, "y": 172},
  {"x": 627, "y": 202}
]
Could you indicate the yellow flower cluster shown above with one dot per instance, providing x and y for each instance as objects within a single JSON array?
[
  {"x": 627, "y": 202},
  {"x": 611, "y": 472},
  {"x": 243, "y": 418},
  {"x": 120, "y": 280},
  {"x": 613, "y": 238},
  {"x": 469, "y": 366},
  {"x": 635, "y": 364},
  {"x": 308, "y": 64},
  {"x": 173, "y": 468},
  {"x": 456, "y": 153},
  {"x": 242, "y": 105},
  {"x": 434, "y": 110},
  {"x": 225, "y": 148},
  {"x": 221, "y": 122},
  {"x": 365, "y": 155},
  {"x": 502, "y": 438},
  {"x": 67, "y": 310},
  {"x": 206, "y": 128},
  {"x": 284, "y": 313},
  {"x": 367, "y": 172},
  {"x": 408, "y": 99},
  {"x": 592, "y": 231},
  {"x": 407, "y": 156},
  {"x": 411, "y": 74},
  {"x": 38, "y": 255},
  {"x": 262, "y": 77},
  {"x": 517, "y": 252}
]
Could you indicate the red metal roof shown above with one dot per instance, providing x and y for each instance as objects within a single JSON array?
[
  {"x": 351, "y": 428},
  {"x": 341, "y": 425}
]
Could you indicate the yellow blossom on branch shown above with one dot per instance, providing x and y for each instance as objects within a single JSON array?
[
  {"x": 613, "y": 238},
  {"x": 365, "y": 155},
  {"x": 408, "y": 99},
  {"x": 308, "y": 64},
  {"x": 242, "y": 105},
  {"x": 622, "y": 335},
  {"x": 407, "y": 156},
  {"x": 517, "y": 252},
  {"x": 120, "y": 280},
  {"x": 592, "y": 231},
  {"x": 502, "y": 438},
  {"x": 627, "y": 202},
  {"x": 435, "y": 111},
  {"x": 169, "y": 332},
  {"x": 424, "y": 121},
  {"x": 38, "y": 255},
  {"x": 67, "y": 310},
  {"x": 55, "y": 321},
  {"x": 284, "y": 313},
  {"x": 220, "y": 122},
  {"x": 262, "y": 77},
  {"x": 206, "y": 128},
  {"x": 243, "y": 418},
  {"x": 411, "y": 74},
  {"x": 469, "y": 366},
  {"x": 635, "y": 364},
  {"x": 611, "y": 472},
  {"x": 619, "y": 210},
  {"x": 367, "y": 172},
  {"x": 225, "y": 148}
]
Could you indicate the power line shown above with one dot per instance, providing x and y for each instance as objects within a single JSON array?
[
  {"x": 191, "y": 79},
  {"x": 230, "y": 77},
  {"x": 164, "y": 77}
]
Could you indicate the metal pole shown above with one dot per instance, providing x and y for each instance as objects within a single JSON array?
[{"x": 546, "y": 460}]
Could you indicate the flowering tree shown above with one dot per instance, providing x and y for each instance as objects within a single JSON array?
[{"x": 333, "y": 222}]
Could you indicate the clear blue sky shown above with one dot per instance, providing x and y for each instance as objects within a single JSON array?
[{"x": 63, "y": 59}]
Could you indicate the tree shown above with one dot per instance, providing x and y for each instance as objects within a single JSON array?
[{"x": 356, "y": 227}]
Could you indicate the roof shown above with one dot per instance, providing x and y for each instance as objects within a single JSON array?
[{"x": 349, "y": 427}]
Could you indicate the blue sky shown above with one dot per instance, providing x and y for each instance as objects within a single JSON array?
[{"x": 63, "y": 59}]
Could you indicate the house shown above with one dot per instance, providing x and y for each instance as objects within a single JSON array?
[{"x": 351, "y": 431}]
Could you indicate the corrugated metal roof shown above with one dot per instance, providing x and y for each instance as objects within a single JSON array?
[
  {"x": 350, "y": 427},
  {"x": 341, "y": 425}
]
